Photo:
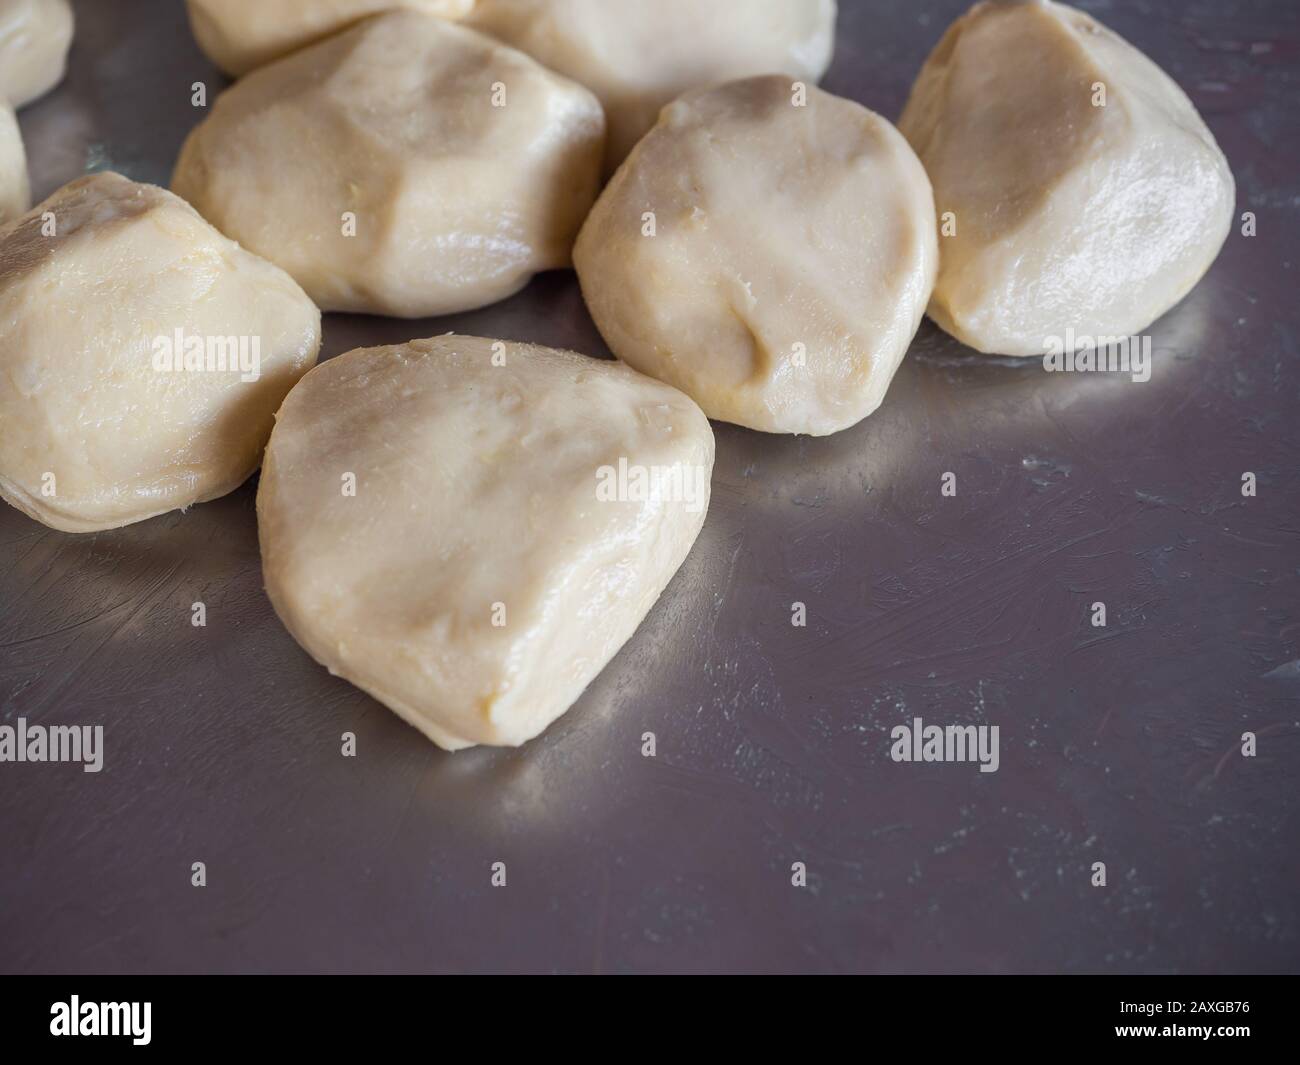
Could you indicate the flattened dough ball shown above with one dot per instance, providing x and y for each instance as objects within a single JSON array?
[
  {"x": 407, "y": 166},
  {"x": 15, "y": 194},
  {"x": 442, "y": 524},
  {"x": 637, "y": 55},
  {"x": 1069, "y": 213},
  {"x": 118, "y": 321},
  {"x": 34, "y": 39},
  {"x": 771, "y": 260},
  {"x": 240, "y": 35}
]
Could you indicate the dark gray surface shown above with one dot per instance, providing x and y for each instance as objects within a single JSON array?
[{"x": 1118, "y": 745}]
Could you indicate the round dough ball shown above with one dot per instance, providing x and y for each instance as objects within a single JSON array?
[
  {"x": 638, "y": 56},
  {"x": 34, "y": 39},
  {"x": 100, "y": 286},
  {"x": 1069, "y": 213},
  {"x": 455, "y": 525},
  {"x": 407, "y": 166},
  {"x": 771, "y": 260},
  {"x": 15, "y": 194},
  {"x": 239, "y": 35}
]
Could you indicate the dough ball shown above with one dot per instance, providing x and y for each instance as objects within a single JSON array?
[
  {"x": 114, "y": 403},
  {"x": 407, "y": 166},
  {"x": 470, "y": 529},
  {"x": 639, "y": 56},
  {"x": 239, "y": 35},
  {"x": 771, "y": 260},
  {"x": 15, "y": 195},
  {"x": 1068, "y": 213},
  {"x": 34, "y": 39}
]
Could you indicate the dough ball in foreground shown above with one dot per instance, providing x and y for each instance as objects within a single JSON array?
[
  {"x": 769, "y": 254},
  {"x": 239, "y": 35},
  {"x": 407, "y": 166},
  {"x": 470, "y": 529},
  {"x": 1072, "y": 209},
  {"x": 15, "y": 194},
  {"x": 34, "y": 39},
  {"x": 144, "y": 356},
  {"x": 638, "y": 56}
]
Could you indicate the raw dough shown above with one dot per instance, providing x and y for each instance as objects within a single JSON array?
[
  {"x": 476, "y": 467},
  {"x": 1068, "y": 215},
  {"x": 794, "y": 250},
  {"x": 94, "y": 433},
  {"x": 34, "y": 39},
  {"x": 15, "y": 195},
  {"x": 456, "y": 202},
  {"x": 638, "y": 55},
  {"x": 239, "y": 35}
]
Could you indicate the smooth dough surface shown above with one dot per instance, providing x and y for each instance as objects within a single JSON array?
[
  {"x": 477, "y": 499},
  {"x": 15, "y": 194},
  {"x": 1068, "y": 215},
  {"x": 240, "y": 35},
  {"x": 454, "y": 202},
  {"x": 93, "y": 433},
  {"x": 34, "y": 39},
  {"x": 792, "y": 255},
  {"x": 638, "y": 55}
]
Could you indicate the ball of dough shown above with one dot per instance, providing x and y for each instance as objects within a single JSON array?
[
  {"x": 407, "y": 166},
  {"x": 768, "y": 254},
  {"x": 470, "y": 529},
  {"x": 15, "y": 194},
  {"x": 143, "y": 359},
  {"x": 34, "y": 39},
  {"x": 239, "y": 35},
  {"x": 638, "y": 56},
  {"x": 1084, "y": 189}
]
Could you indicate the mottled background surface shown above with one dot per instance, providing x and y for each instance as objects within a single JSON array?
[{"x": 1118, "y": 745}]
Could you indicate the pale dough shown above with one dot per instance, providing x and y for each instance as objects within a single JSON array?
[
  {"x": 637, "y": 56},
  {"x": 771, "y": 260},
  {"x": 34, "y": 39},
  {"x": 15, "y": 195},
  {"x": 93, "y": 434},
  {"x": 239, "y": 35},
  {"x": 475, "y": 580},
  {"x": 407, "y": 166},
  {"x": 1065, "y": 212}
]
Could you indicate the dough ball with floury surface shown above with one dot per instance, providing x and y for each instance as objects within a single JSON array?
[
  {"x": 769, "y": 249},
  {"x": 15, "y": 192},
  {"x": 407, "y": 166},
  {"x": 142, "y": 358},
  {"x": 470, "y": 529},
  {"x": 34, "y": 39},
  {"x": 1082, "y": 190},
  {"x": 241, "y": 35},
  {"x": 638, "y": 55}
]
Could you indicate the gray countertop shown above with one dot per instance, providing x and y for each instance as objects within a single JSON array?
[{"x": 1118, "y": 745}]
